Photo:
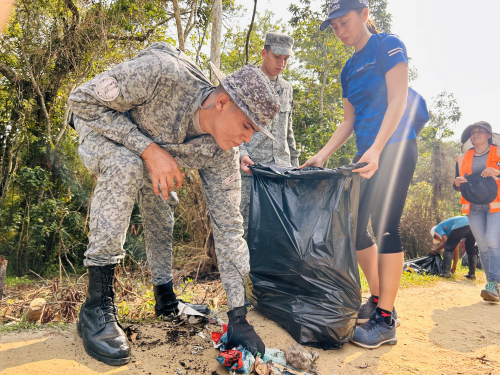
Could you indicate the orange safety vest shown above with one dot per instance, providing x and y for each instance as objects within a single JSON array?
[{"x": 465, "y": 166}]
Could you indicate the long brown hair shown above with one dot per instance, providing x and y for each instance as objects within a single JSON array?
[{"x": 369, "y": 23}]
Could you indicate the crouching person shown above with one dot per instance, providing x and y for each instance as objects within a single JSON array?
[
  {"x": 137, "y": 123},
  {"x": 450, "y": 233}
]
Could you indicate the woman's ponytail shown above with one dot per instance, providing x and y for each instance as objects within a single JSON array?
[
  {"x": 371, "y": 26},
  {"x": 369, "y": 23}
]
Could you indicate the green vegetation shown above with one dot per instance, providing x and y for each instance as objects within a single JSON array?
[
  {"x": 52, "y": 46},
  {"x": 409, "y": 280}
]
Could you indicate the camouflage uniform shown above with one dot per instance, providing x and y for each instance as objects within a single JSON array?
[
  {"x": 154, "y": 98},
  {"x": 261, "y": 149}
]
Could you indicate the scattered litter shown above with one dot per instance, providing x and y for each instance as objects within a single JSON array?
[
  {"x": 300, "y": 358},
  {"x": 132, "y": 333},
  {"x": 194, "y": 319},
  {"x": 197, "y": 350},
  {"x": 179, "y": 371},
  {"x": 202, "y": 335}
]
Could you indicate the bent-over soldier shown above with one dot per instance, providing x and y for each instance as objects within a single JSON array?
[{"x": 137, "y": 123}]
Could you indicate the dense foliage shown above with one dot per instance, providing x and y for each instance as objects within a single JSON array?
[{"x": 52, "y": 46}]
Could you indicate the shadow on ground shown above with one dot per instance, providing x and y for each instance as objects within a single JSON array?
[{"x": 476, "y": 326}]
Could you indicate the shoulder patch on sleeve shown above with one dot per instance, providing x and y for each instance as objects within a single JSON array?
[{"x": 107, "y": 89}]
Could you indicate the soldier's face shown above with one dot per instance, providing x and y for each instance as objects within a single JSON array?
[
  {"x": 232, "y": 127},
  {"x": 274, "y": 64}
]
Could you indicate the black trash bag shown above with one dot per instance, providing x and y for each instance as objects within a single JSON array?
[
  {"x": 430, "y": 264},
  {"x": 304, "y": 271}
]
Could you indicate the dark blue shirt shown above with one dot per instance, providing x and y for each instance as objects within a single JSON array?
[{"x": 364, "y": 85}]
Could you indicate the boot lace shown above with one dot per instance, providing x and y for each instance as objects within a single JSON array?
[{"x": 108, "y": 300}]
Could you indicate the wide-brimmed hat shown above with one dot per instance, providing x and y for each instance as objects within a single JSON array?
[
  {"x": 481, "y": 124},
  {"x": 280, "y": 43},
  {"x": 468, "y": 144},
  {"x": 252, "y": 92},
  {"x": 339, "y": 8},
  {"x": 478, "y": 189}
]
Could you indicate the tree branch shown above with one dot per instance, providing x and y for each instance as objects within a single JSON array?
[
  {"x": 205, "y": 27},
  {"x": 192, "y": 19},
  {"x": 72, "y": 7},
  {"x": 146, "y": 35},
  {"x": 250, "y": 31},
  {"x": 178, "y": 23},
  {"x": 8, "y": 73},
  {"x": 42, "y": 100}
]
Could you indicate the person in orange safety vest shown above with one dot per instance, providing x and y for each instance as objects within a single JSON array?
[{"x": 483, "y": 160}]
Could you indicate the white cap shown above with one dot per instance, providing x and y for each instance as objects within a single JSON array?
[{"x": 433, "y": 231}]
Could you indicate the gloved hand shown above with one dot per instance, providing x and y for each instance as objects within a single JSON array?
[{"x": 240, "y": 332}]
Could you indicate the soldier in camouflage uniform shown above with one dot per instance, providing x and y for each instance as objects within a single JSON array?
[
  {"x": 278, "y": 47},
  {"x": 137, "y": 123}
]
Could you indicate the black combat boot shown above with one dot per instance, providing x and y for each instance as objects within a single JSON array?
[
  {"x": 166, "y": 301},
  {"x": 98, "y": 326},
  {"x": 446, "y": 269},
  {"x": 472, "y": 267}
]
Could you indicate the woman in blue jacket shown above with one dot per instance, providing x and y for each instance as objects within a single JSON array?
[{"x": 375, "y": 91}]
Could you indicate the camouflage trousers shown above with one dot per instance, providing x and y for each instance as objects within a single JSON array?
[
  {"x": 246, "y": 190},
  {"x": 123, "y": 177}
]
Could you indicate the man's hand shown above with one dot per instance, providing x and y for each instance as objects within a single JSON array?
[
  {"x": 371, "y": 157},
  {"x": 245, "y": 162},
  {"x": 460, "y": 180},
  {"x": 163, "y": 169},
  {"x": 433, "y": 252}
]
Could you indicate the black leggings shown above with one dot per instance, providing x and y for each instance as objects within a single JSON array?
[
  {"x": 456, "y": 236},
  {"x": 382, "y": 197}
]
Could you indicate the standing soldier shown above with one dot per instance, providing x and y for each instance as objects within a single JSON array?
[
  {"x": 277, "y": 50},
  {"x": 137, "y": 123}
]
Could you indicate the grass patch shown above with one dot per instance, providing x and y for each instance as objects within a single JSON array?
[
  {"x": 24, "y": 325},
  {"x": 13, "y": 281},
  {"x": 409, "y": 280}
]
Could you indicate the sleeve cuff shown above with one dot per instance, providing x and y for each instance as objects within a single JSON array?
[
  {"x": 243, "y": 151},
  {"x": 136, "y": 141}
]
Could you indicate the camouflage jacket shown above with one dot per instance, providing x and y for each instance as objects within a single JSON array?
[
  {"x": 262, "y": 149},
  {"x": 150, "y": 98}
]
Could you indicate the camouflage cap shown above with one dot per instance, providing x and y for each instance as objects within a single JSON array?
[
  {"x": 252, "y": 92},
  {"x": 280, "y": 43}
]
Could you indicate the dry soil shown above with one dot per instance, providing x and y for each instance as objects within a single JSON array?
[{"x": 445, "y": 329}]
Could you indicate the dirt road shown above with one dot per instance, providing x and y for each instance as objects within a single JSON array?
[{"x": 445, "y": 329}]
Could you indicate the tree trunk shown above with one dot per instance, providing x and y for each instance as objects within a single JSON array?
[
  {"x": 216, "y": 38},
  {"x": 36, "y": 309},
  {"x": 3, "y": 271}
]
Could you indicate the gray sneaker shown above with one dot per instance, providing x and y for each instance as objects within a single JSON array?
[
  {"x": 368, "y": 308},
  {"x": 491, "y": 292},
  {"x": 374, "y": 333}
]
